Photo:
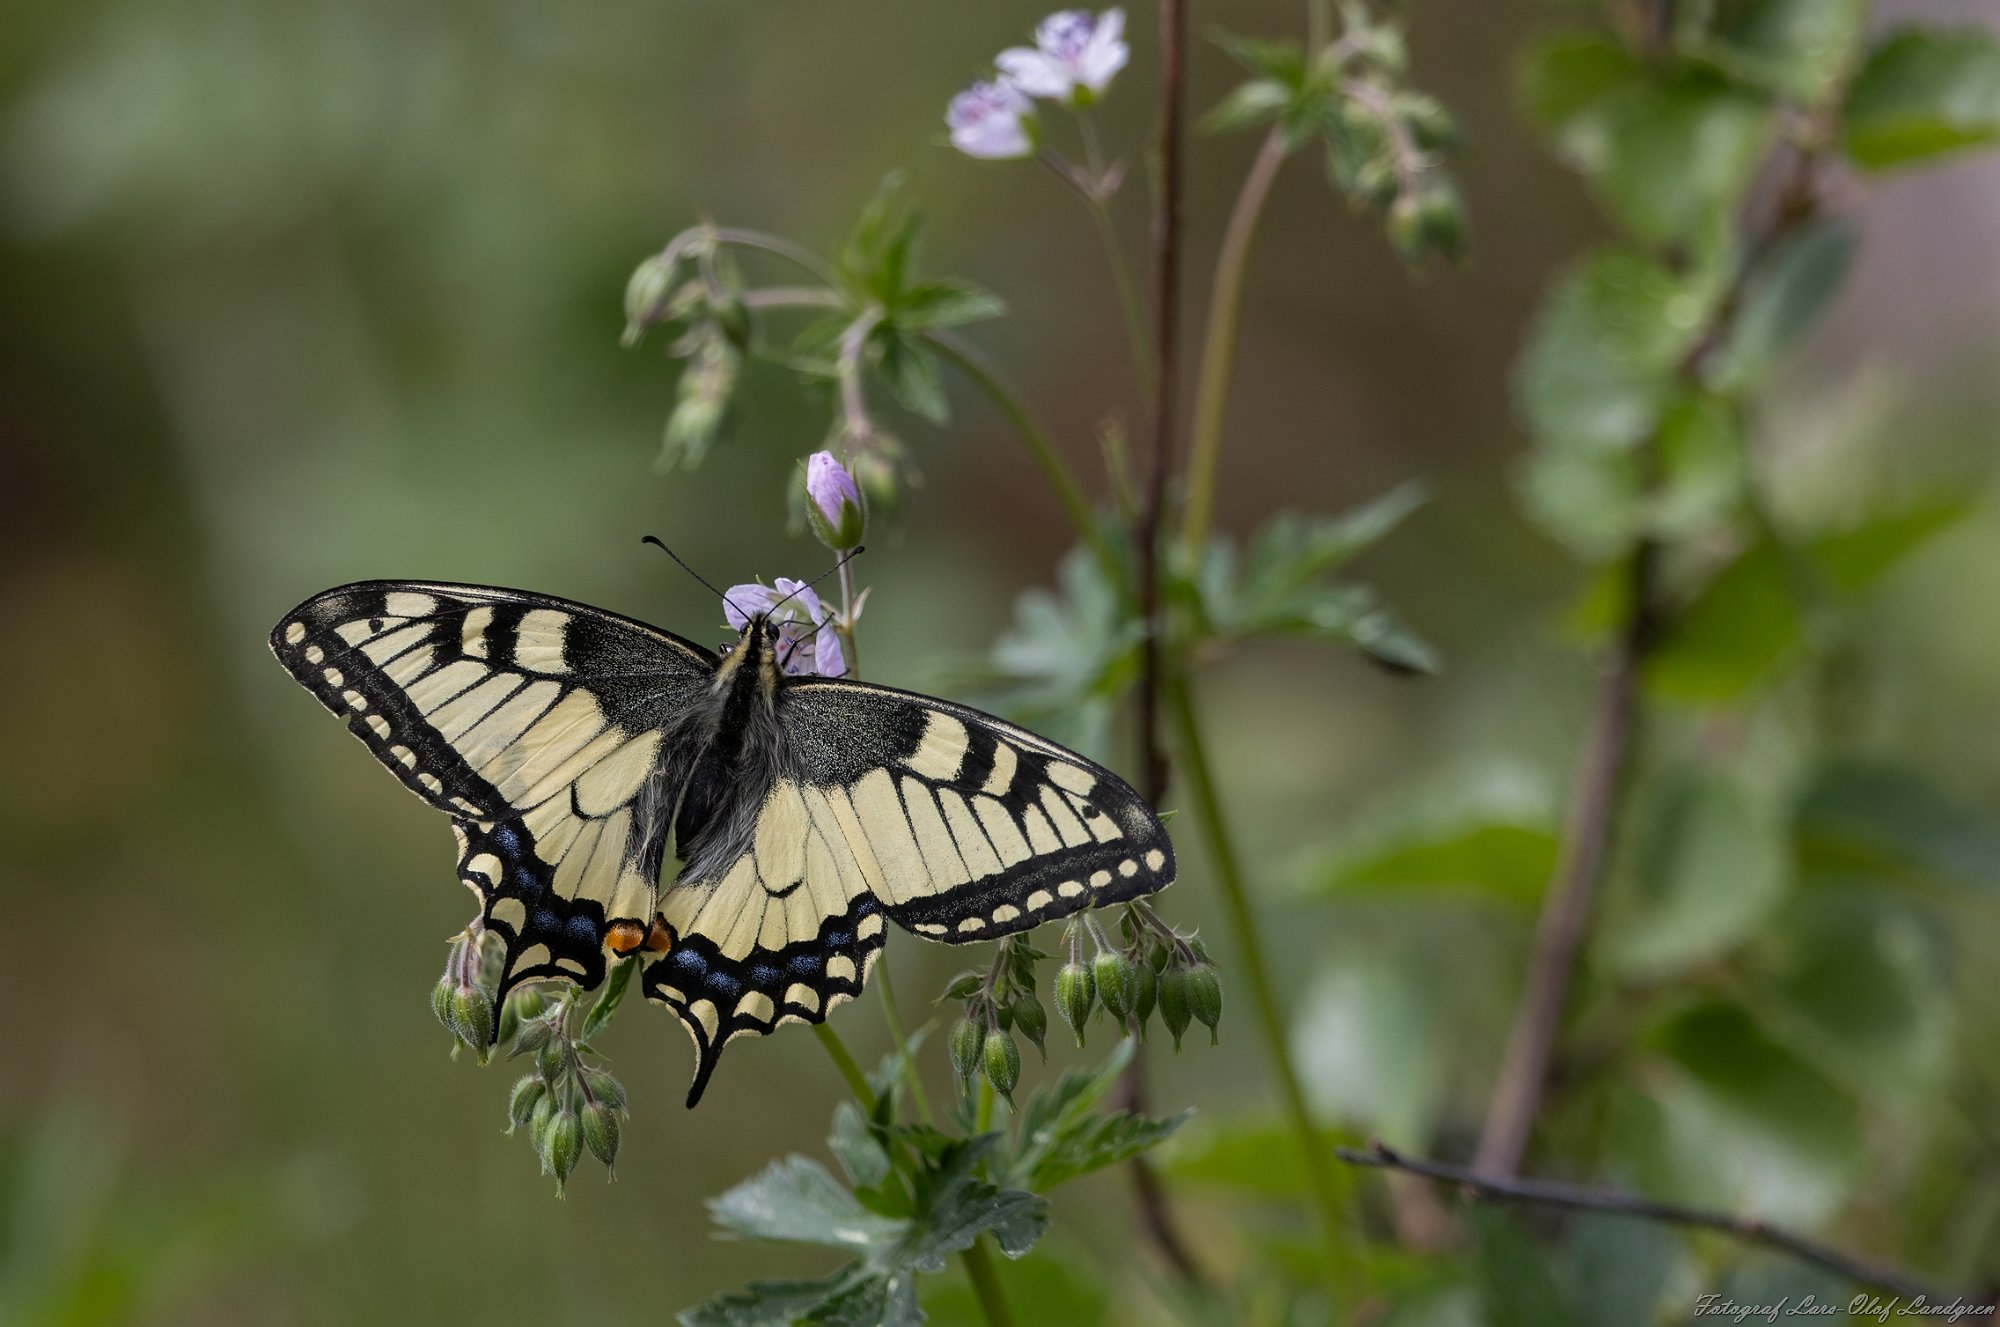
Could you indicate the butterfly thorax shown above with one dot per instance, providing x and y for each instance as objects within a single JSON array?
[{"x": 739, "y": 754}]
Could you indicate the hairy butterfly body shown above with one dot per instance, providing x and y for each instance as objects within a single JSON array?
[{"x": 575, "y": 749}]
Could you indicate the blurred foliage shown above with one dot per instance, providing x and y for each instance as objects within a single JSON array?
[{"x": 304, "y": 293}]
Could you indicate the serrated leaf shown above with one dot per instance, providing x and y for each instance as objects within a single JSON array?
[
  {"x": 913, "y": 377},
  {"x": 1062, "y": 1136},
  {"x": 875, "y": 265},
  {"x": 1799, "y": 49},
  {"x": 1924, "y": 93},
  {"x": 854, "y": 1144},
  {"x": 782, "y": 1303},
  {"x": 1282, "y": 60},
  {"x": 1711, "y": 868},
  {"x": 608, "y": 999},
  {"x": 945, "y": 303},
  {"x": 796, "y": 1201},
  {"x": 1781, "y": 299},
  {"x": 955, "y": 1207}
]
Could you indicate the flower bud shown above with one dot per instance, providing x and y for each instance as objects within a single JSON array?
[
  {"x": 646, "y": 293},
  {"x": 1145, "y": 990},
  {"x": 1176, "y": 1007},
  {"x": 1117, "y": 983},
  {"x": 541, "y": 1119},
  {"x": 534, "y": 1035},
  {"x": 553, "y": 1061},
  {"x": 600, "y": 1132},
  {"x": 963, "y": 987},
  {"x": 1205, "y": 998},
  {"x": 1032, "y": 1022},
  {"x": 834, "y": 505},
  {"x": 472, "y": 1017},
  {"x": 1427, "y": 219},
  {"x": 967, "y": 1037},
  {"x": 565, "y": 1145},
  {"x": 441, "y": 1003},
  {"x": 1076, "y": 992},
  {"x": 1003, "y": 1062},
  {"x": 605, "y": 1088},
  {"x": 521, "y": 1102}
]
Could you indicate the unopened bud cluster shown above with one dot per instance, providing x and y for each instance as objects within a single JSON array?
[
  {"x": 463, "y": 998},
  {"x": 998, "y": 1004},
  {"x": 1154, "y": 969},
  {"x": 568, "y": 1103},
  {"x": 1387, "y": 160},
  {"x": 1151, "y": 969},
  {"x": 712, "y": 327}
]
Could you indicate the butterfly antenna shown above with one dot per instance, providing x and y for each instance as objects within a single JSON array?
[
  {"x": 852, "y": 554},
  {"x": 655, "y": 541}
]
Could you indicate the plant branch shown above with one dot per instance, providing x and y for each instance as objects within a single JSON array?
[
  {"x": 1322, "y": 1183},
  {"x": 1594, "y": 800},
  {"x": 1749, "y": 1229},
  {"x": 1091, "y": 191},
  {"x": 901, "y": 1041},
  {"x": 1218, "y": 352},
  {"x": 857, "y": 1082}
]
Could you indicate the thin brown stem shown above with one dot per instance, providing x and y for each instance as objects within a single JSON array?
[
  {"x": 1749, "y": 1229},
  {"x": 1154, "y": 1213},
  {"x": 1594, "y": 799}
]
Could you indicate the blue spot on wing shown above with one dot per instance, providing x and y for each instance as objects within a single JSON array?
[
  {"x": 806, "y": 965},
  {"x": 582, "y": 930}
]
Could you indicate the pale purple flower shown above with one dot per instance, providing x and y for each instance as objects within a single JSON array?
[
  {"x": 992, "y": 121},
  {"x": 808, "y": 645},
  {"x": 1074, "y": 57},
  {"x": 839, "y": 517}
]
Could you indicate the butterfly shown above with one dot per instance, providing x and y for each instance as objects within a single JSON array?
[{"x": 574, "y": 749}]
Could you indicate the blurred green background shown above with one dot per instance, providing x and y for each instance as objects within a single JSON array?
[{"x": 302, "y": 293}]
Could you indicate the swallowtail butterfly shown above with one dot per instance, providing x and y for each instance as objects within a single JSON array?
[{"x": 574, "y": 749}]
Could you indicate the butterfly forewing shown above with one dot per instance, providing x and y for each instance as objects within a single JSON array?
[{"x": 535, "y": 723}]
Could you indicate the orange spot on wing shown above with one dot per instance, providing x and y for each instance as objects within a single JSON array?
[
  {"x": 661, "y": 938},
  {"x": 624, "y": 937}
]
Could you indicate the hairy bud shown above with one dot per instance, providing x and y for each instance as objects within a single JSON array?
[
  {"x": 1003, "y": 1062},
  {"x": 1205, "y": 998},
  {"x": 967, "y": 1037},
  {"x": 565, "y": 1145},
  {"x": 600, "y": 1132},
  {"x": 1032, "y": 1021},
  {"x": 1117, "y": 983},
  {"x": 1176, "y": 1005},
  {"x": 1076, "y": 992},
  {"x": 529, "y": 1091}
]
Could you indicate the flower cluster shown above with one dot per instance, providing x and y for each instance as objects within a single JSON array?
[
  {"x": 808, "y": 637},
  {"x": 1075, "y": 56}
]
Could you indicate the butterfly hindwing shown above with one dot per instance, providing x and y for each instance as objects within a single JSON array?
[
  {"x": 535, "y": 723},
  {"x": 952, "y": 823}
]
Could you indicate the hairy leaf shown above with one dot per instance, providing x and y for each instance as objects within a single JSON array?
[{"x": 796, "y": 1201}]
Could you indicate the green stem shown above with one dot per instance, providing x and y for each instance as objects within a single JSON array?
[
  {"x": 778, "y": 247},
  {"x": 1218, "y": 350},
  {"x": 1325, "y": 1187},
  {"x": 1319, "y": 26},
  {"x": 983, "y": 1112},
  {"x": 974, "y": 366},
  {"x": 857, "y": 1082},
  {"x": 986, "y": 1284},
  {"x": 1107, "y": 233},
  {"x": 902, "y": 1041}
]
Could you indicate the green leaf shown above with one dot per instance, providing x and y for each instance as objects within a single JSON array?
[
  {"x": 1862, "y": 987},
  {"x": 1711, "y": 868},
  {"x": 1282, "y": 60},
  {"x": 1702, "y": 467},
  {"x": 608, "y": 999},
  {"x": 1259, "y": 101},
  {"x": 796, "y": 1201},
  {"x": 875, "y": 265},
  {"x": 828, "y": 1300},
  {"x": 913, "y": 377},
  {"x": 946, "y": 303},
  {"x": 1748, "y": 621},
  {"x": 854, "y": 1144},
  {"x": 1566, "y": 80},
  {"x": 1754, "y": 1096},
  {"x": 1497, "y": 836},
  {"x": 1922, "y": 94},
  {"x": 1617, "y": 1269},
  {"x": 955, "y": 1207},
  {"x": 1598, "y": 370},
  {"x": 1677, "y": 159},
  {"x": 1798, "y": 49},
  {"x": 1783, "y": 297},
  {"x": 1062, "y": 1136},
  {"x": 1865, "y": 821},
  {"x": 1516, "y": 1285}
]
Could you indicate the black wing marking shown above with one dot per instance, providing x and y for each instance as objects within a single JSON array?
[
  {"x": 537, "y": 724},
  {"x": 981, "y": 827}
]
